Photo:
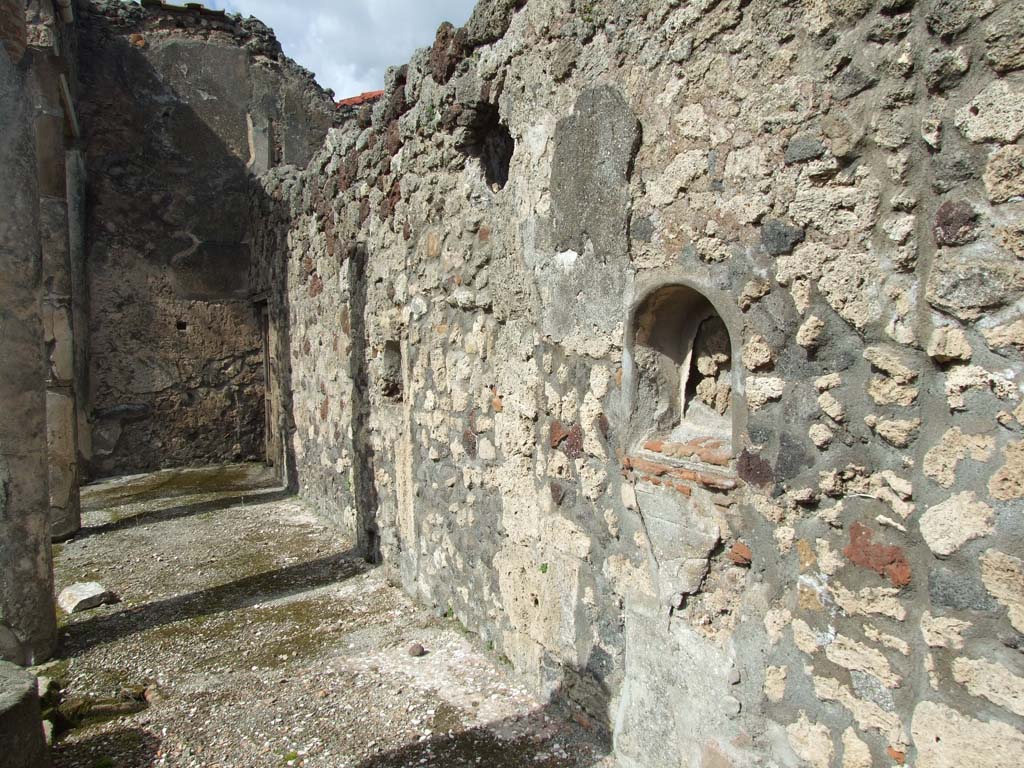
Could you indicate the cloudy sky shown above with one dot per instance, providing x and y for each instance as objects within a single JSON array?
[{"x": 348, "y": 44}]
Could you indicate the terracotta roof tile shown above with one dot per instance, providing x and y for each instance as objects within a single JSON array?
[{"x": 363, "y": 98}]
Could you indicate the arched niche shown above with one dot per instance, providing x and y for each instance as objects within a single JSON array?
[{"x": 681, "y": 368}]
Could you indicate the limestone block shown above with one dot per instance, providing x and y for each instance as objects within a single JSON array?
[
  {"x": 887, "y": 391},
  {"x": 763, "y": 389},
  {"x": 820, "y": 435},
  {"x": 900, "y": 228},
  {"x": 682, "y": 538},
  {"x": 995, "y": 114},
  {"x": 809, "y": 335},
  {"x": 685, "y": 169},
  {"x": 943, "y": 631},
  {"x": 991, "y": 681},
  {"x": 752, "y": 292},
  {"x": 775, "y": 684},
  {"x": 948, "y": 526},
  {"x": 947, "y": 344},
  {"x": 757, "y": 353},
  {"x": 889, "y": 641},
  {"x": 855, "y": 752},
  {"x": 892, "y": 363},
  {"x": 881, "y": 601},
  {"x": 962, "y": 378},
  {"x": 1003, "y": 576},
  {"x": 1004, "y": 336},
  {"x": 674, "y": 696},
  {"x": 946, "y": 738},
  {"x": 827, "y": 382},
  {"x": 940, "y": 463},
  {"x": 855, "y": 656},
  {"x": 540, "y": 594},
  {"x": 1008, "y": 481},
  {"x": 58, "y": 335},
  {"x": 84, "y": 596},
  {"x": 899, "y": 433},
  {"x": 831, "y": 407},
  {"x": 1004, "y": 174},
  {"x": 867, "y": 714},
  {"x": 848, "y": 279},
  {"x": 811, "y": 741}
]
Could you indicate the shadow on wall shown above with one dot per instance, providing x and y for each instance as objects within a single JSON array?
[
  {"x": 270, "y": 279},
  {"x": 176, "y": 369},
  {"x": 365, "y": 487},
  {"x": 532, "y": 742}
]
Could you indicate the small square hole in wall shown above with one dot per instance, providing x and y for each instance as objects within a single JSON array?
[{"x": 181, "y": 325}]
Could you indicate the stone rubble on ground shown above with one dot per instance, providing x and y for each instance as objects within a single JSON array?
[{"x": 85, "y": 596}]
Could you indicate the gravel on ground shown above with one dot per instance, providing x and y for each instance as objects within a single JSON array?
[{"x": 252, "y": 636}]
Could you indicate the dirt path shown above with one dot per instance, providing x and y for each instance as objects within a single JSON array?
[{"x": 259, "y": 640}]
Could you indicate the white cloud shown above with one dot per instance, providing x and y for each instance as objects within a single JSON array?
[{"x": 348, "y": 44}]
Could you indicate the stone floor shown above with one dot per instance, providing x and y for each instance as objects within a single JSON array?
[{"x": 259, "y": 640}]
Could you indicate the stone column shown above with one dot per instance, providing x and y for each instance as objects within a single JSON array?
[
  {"x": 79, "y": 304},
  {"x": 61, "y": 417},
  {"x": 28, "y": 626},
  {"x": 54, "y": 122}
]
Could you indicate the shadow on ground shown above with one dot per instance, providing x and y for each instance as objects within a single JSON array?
[
  {"x": 532, "y": 745},
  {"x": 122, "y": 748},
  {"x": 243, "y": 593},
  {"x": 150, "y": 516},
  {"x": 169, "y": 483}
]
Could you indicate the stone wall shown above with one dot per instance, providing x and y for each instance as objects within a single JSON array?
[
  {"x": 801, "y": 545},
  {"x": 180, "y": 106}
]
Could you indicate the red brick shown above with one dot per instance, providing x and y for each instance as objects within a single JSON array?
[
  {"x": 741, "y": 554},
  {"x": 683, "y": 489},
  {"x": 884, "y": 560},
  {"x": 558, "y": 433},
  {"x": 651, "y": 467}
]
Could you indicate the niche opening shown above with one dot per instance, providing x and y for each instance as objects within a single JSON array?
[
  {"x": 683, "y": 356},
  {"x": 391, "y": 370}
]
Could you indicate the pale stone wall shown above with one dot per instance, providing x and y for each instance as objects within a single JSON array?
[{"x": 842, "y": 182}]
